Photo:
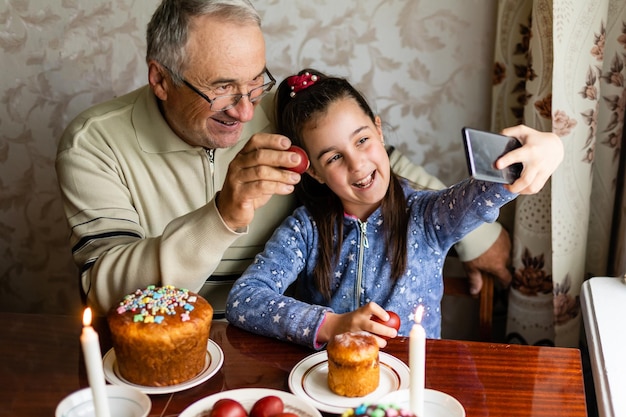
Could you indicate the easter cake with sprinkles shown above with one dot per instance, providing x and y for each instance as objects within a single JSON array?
[{"x": 160, "y": 335}]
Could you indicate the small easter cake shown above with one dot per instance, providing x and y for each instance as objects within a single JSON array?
[
  {"x": 160, "y": 335},
  {"x": 377, "y": 410},
  {"x": 353, "y": 364}
]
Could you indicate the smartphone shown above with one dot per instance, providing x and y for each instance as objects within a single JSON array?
[{"x": 483, "y": 149}]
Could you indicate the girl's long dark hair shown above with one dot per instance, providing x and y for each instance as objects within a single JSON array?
[{"x": 292, "y": 115}]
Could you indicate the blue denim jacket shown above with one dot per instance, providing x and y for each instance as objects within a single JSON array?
[{"x": 438, "y": 220}]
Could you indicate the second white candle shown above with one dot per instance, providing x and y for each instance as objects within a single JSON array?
[
  {"x": 90, "y": 343},
  {"x": 417, "y": 364}
]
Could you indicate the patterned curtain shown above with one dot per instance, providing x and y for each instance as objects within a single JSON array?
[{"x": 560, "y": 66}]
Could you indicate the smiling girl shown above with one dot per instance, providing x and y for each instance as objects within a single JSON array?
[{"x": 364, "y": 241}]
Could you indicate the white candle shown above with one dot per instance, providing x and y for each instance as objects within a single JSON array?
[
  {"x": 93, "y": 361},
  {"x": 417, "y": 364}
]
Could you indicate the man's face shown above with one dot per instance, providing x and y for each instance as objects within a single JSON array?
[{"x": 222, "y": 58}]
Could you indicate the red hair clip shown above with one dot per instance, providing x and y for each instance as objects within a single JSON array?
[{"x": 300, "y": 82}]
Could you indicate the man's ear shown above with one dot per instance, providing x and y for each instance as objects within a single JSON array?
[{"x": 158, "y": 80}]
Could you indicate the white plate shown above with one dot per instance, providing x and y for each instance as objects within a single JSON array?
[
  {"x": 309, "y": 380},
  {"x": 436, "y": 403},
  {"x": 214, "y": 361},
  {"x": 247, "y": 397}
]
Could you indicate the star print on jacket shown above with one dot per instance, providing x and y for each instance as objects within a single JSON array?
[{"x": 438, "y": 219}]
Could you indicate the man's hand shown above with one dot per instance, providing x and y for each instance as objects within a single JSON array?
[
  {"x": 495, "y": 261},
  {"x": 254, "y": 176}
]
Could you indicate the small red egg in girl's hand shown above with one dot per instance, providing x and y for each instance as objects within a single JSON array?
[
  {"x": 304, "y": 160},
  {"x": 394, "y": 320}
]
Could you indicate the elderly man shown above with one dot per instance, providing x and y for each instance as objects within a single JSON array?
[{"x": 181, "y": 182}]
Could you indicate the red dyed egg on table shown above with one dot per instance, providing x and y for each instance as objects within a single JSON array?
[
  {"x": 267, "y": 407},
  {"x": 227, "y": 407}
]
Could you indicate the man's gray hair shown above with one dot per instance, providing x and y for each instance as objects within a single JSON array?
[{"x": 169, "y": 27}]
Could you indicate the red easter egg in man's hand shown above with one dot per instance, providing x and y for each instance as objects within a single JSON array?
[
  {"x": 304, "y": 160},
  {"x": 394, "y": 320}
]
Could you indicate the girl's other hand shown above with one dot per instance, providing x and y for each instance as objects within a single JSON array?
[
  {"x": 355, "y": 321},
  {"x": 541, "y": 153}
]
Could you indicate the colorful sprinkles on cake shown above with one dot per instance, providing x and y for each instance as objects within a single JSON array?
[
  {"x": 152, "y": 304},
  {"x": 377, "y": 410}
]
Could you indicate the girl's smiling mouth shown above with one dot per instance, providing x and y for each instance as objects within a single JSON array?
[{"x": 366, "y": 182}]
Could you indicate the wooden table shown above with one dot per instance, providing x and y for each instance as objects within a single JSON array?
[{"x": 41, "y": 363}]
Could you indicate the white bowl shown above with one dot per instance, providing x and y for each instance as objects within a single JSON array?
[
  {"x": 123, "y": 402},
  {"x": 436, "y": 403}
]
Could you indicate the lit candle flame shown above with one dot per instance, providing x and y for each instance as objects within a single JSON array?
[
  {"x": 419, "y": 313},
  {"x": 87, "y": 317}
]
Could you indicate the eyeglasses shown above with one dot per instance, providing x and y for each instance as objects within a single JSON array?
[{"x": 228, "y": 101}]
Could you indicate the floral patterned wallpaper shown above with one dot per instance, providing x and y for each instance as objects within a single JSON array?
[{"x": 425, "y": 65}]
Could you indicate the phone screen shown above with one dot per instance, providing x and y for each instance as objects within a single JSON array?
[{"x": 483, "y": 149}]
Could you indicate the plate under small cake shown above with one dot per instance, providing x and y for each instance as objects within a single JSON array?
[{"x": 308, "y": 380}]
